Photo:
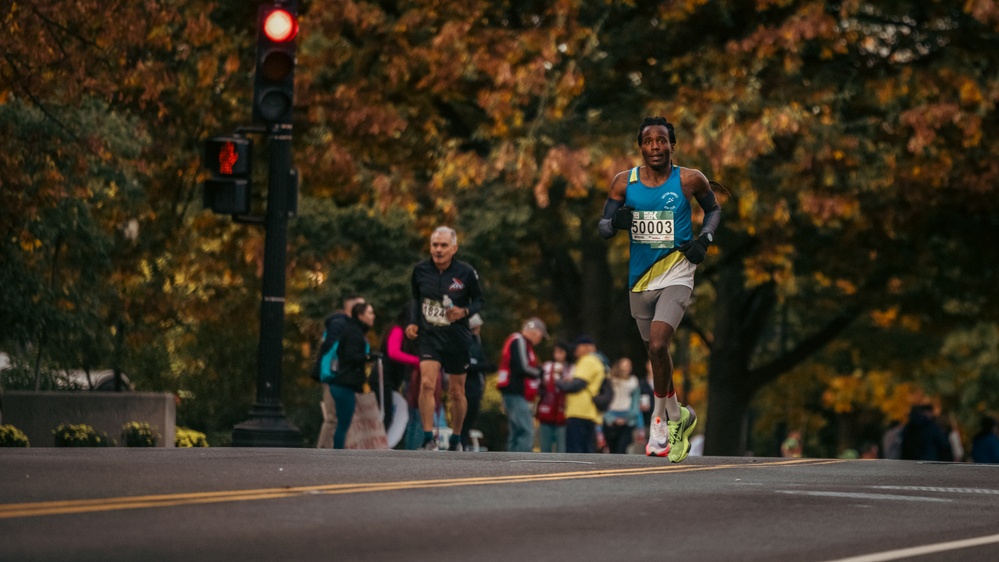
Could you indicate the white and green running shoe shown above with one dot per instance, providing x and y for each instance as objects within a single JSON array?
[{"x": 658, "y": 445}]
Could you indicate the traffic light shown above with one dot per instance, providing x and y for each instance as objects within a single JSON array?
[
  {"x": 228, "y": 190},
  {"x": 274, "y": 80}
]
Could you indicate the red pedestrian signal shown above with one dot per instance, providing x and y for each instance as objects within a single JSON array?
[
  {"x": 228, "y": 190},
  {"x": 274, "y": 80},
  {"x": 227, "y": 158}
]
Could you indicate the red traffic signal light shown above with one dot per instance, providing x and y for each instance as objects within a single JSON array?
[
  {"x": 280, "y": 26},
  {"x": 274, "y": 80}
]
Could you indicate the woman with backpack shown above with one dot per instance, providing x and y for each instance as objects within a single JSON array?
[{"x": 352, "y": 355}]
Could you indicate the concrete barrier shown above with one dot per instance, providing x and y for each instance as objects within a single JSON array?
[{"x": 37, "y": 414}]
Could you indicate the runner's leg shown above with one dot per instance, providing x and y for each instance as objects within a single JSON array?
[
  {"x": 459, "y": 404},
  {"x": 429, "y": 372},
  {"x": 662, "y": 369}
]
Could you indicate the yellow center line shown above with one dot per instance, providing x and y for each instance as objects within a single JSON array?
[{"x": 62, "y": 507}]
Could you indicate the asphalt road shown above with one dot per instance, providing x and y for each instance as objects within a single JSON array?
[{"x": 299, "y": 504}]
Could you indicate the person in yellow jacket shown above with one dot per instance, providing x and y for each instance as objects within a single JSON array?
[{"x": 581, "y": 414}]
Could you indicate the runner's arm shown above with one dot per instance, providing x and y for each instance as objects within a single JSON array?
[
  {"x": 696, "y": 250},
  {"x": 412, "y": 328},
  {"x": 709, "y": 203},
  {"x": 616, "y": 215},
  {"x": 712, "y": 212},
  {"x": 476, "y": 300}
]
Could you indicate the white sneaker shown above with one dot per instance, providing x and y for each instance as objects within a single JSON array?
[{"x": 658, "y": 439}]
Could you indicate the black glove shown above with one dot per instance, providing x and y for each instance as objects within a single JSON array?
[
  {"x": 695, "y": 250},
  {"x": 622, "y": 218}
]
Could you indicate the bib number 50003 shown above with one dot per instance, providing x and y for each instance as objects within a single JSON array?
[{"x": 653, "y": 227}]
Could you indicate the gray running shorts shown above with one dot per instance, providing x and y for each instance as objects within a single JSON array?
[{"x": 661, "y": 305}]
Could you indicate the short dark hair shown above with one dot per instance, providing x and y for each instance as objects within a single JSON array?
[
  {"x": 649, "y": 121},
  {"x": 358, "y": 309}
]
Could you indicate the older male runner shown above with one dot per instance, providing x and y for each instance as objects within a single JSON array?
[{"x": 445, "y": 293}]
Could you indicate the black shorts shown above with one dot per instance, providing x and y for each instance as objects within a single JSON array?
[{"x": 450, "y": 352}]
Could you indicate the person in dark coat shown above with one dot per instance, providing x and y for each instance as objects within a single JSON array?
[
  {"x": 333, "y": 325},
  {"x": 985, "y": 446},
  {"x": 923, "y": 439},
  {"x": 475, "y": 381},
  {"x": 352, "y": 355}
]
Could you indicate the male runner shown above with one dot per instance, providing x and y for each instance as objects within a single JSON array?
[
  {"x": 653, "y": 203},
  {"x": 445, "y": 293}
]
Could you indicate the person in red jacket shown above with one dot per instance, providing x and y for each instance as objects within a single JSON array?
[
  {"x": 551, "y": 404},
  {"x": 517, "y": 380}
]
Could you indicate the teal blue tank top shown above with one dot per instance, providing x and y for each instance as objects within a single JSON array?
[{"x": 660, "y": 223}]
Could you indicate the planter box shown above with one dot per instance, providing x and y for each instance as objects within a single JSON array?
[{"x": 37, "y": 414}]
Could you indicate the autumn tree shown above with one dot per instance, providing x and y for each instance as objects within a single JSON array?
[
  {"x": 822, "y": 121},
  {"x": 850, "y": 138},
  {"x": 103, "y": 254}
]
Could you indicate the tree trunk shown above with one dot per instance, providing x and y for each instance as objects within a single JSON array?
[
  {"x": 583, "y": 291},
  {"x": 725, "y": 433},
  {"x": 740, "y": 316}
]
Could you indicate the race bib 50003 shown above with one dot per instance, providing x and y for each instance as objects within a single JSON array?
[{"x": 654, "y": 228}]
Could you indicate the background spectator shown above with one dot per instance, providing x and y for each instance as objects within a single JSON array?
[
  {"x": 985, "y": 446},
  {"x": 400, "y": 364},
  {"x": 517, "y": 380},
  {"x": 623, "y": 415},
  {"x": 551, "y": 404},
  {"x": 581, "y": 414},
  {"x": 923, "y": 439},
  {"x": 352, "y": 353},
  {"x": 333, "y": 328},
  {"x": 791, "y": 448},
  {"x": 475, "y": 382}
]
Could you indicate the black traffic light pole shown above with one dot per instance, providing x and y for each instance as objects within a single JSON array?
[
  {"x": 272, "y": 104},
  {"x": 267, "y": 425}
]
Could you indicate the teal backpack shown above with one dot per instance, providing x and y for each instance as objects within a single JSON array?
[{"x": 328, "y": 362}]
